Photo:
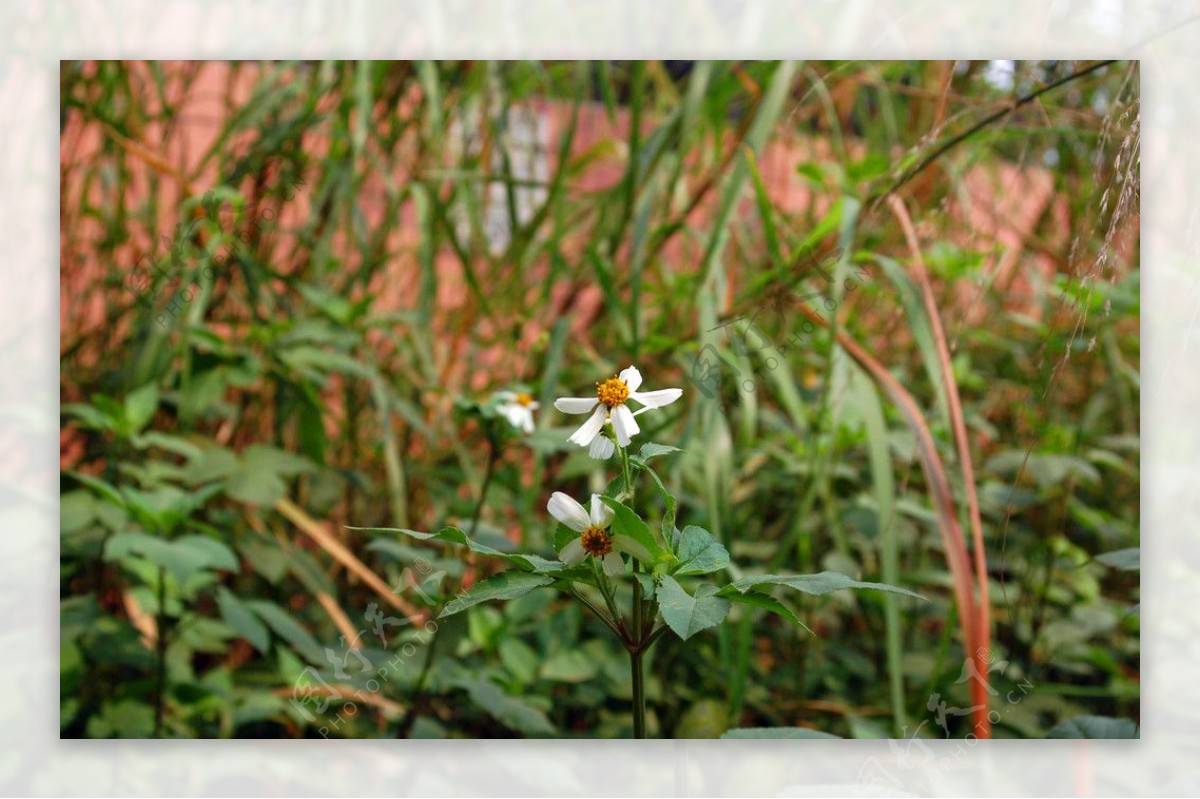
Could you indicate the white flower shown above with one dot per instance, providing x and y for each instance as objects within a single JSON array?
[
  {"x": 517, "y": 408},
  {"x": 601, "y": 448},
  {"x": 594, "y": 538},
  {"x": 609, "y": 406}
]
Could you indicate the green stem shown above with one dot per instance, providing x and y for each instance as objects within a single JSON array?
[
  {"x": 493, "y": 456},
  {"x": 160, "y": 645},
  {"x": 610, "y": 600},
  {"x": 625, "y": 472},
  {"x": 635, "y": 659},
  {"x": 639, "y": 692},
  {"x": 599, "y": 613}
]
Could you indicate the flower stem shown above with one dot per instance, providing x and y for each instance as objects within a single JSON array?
[
  {"x": 493, "y": 456},
  {"x": 639, "y": 692},
  {"x": 635, "y": 659},
  {"x": 625, "y": 473}
]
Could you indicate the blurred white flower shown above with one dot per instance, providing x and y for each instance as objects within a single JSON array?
[
  {"x": 517, "y": 408},
  {"x": 609, "y": 406},
  {"x": 594, "y": 538}
]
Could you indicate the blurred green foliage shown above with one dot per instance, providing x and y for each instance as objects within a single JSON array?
[{"x": 250, "y": 357}]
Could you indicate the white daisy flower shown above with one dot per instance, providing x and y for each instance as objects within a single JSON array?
[
  {"x": 594, "y": 538},
  {"x": 609, "y": 406},
  {"x": 517, "y": 408}
]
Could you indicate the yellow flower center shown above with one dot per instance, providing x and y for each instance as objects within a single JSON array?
[
  {"x": 524, "y": 399},
  {"x": 595, "y": 542},
  {"x": 612, "y": 392}
]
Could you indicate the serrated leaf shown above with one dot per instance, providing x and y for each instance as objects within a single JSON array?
[
  {"x": 687, "y": 614},
  {"x": 453, "y": 535},
  {"x": 766, "y": 602},
  {"x": 1129, "y": 560},
  {"x": 626, "y": 522},
  {"x": 815, "y": 584},
  {"x": 1095, "y": 727},
  {"x": 505, "y": 585},
  {"x": 699, "y": 552},
  {"x": 649, "y": 587},
  {"x": 760, "y": 733},
  {"x": 668, "y": 523},
  {"x": 653, "y": 450}
]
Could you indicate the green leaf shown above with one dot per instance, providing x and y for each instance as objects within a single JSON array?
[
  {"x": 1094, "y": 727},
  {"x": 668, "y": 524},
  {"x": 505, "y": 585},
  {"x": 699, "y": 552},
  {"x": 453, "y": 535},
  {"x": 214, "y": 553},
  {"x": 140, "y": 406},
  {"x": 510, "y": 711},
  {"x": 653, "y": 450},
  {"x": 289, "y": 630},
  {"x": 766, "y": 602},
  {"x": 626, "y": 522},
  {"x": 519, "y": 658},
  {"x": 181, "y": 558},
  {"x": 758, "y": 733},
  {"x": 100, "y": 487},
  {"x": 707, "y": 718},
  {"x": 124, "y": 719},
  {"x": 1129, "y": 560},
  {"x": 259, "y": 457},
  {"x": 815, "y": 584},
  {"x": 242, "y": 620},
  {"x": 686, "y": 614},
  {"x": 573, "y": 665}
]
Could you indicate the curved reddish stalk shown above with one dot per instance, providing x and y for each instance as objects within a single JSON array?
[
  {"x": 921, "y": 276},
  {"x": 951, "y": 532}
]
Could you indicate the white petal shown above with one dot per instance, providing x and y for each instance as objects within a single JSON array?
[
  {"x": 632, "y": 378},
  {"x": 602, "y": 448},
  {"x": 572, "y": 553},
  {"x": 533, "y": 406},
  {"x": 624, "y": 424},
  {"x": 657, "y": 399},
  {"x": 613, "y": 565},
  {"x": 527, "y": 421},
  {"x": 506, "y": 396},
  {"x": 624, "y": 543},
  {"x": 575, "y": 404},
  {"x": 568, "y": 511},
  {"x": 602, "y": 515},
  {"x": 588, "y": 430}
]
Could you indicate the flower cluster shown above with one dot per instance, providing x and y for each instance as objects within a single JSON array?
[
  {"x": 608, "y": 410},
  {"x": 608, "y": 407}
]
